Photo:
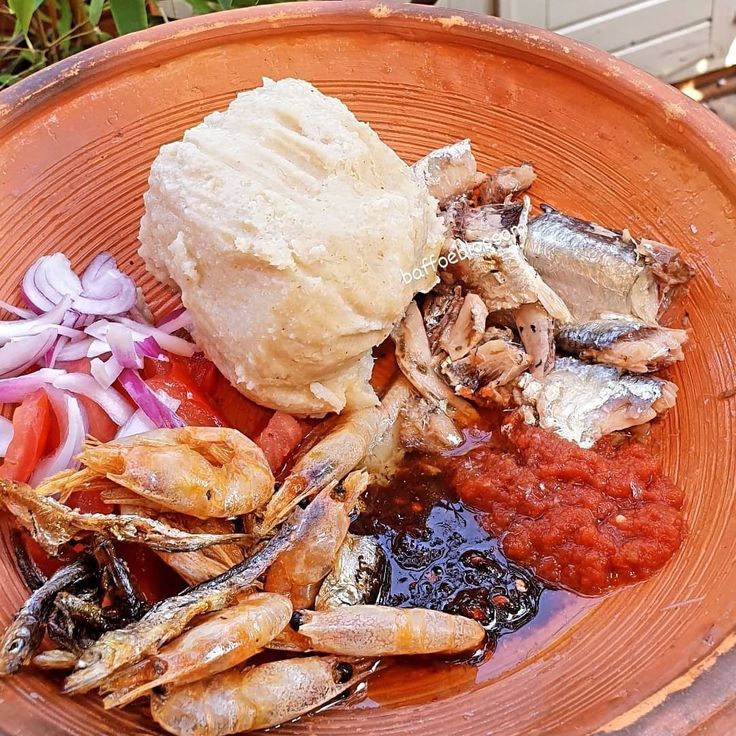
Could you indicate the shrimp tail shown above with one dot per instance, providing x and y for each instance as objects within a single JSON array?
[{"x": 142, "y": 672}]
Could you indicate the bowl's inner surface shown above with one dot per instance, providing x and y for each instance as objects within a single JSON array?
[{"x": 73, "y": 170}]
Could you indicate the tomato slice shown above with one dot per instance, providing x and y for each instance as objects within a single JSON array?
[
  {"x": 194, "y": 407},
  {"x": 31, "y": 422},
  {"x": 279, "y": 438},
  {"x": 100, "y": 426},
  {"x": 239, "y": 411}
]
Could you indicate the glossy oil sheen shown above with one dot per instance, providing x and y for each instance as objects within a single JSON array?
[{"x": 609, "y": 143}]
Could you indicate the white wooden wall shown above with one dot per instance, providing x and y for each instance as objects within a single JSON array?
[{"x": 670, "y": 38}]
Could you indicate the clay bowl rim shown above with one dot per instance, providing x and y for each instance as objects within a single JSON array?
[{"x": 703, "y": 136}]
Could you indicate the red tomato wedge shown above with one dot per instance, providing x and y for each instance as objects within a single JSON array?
[
  {"x": 280, "y": 437},
  {"x": 194, "y": 407},
  {"x": 31, "y": 422},
  {"x": 240, "y": 412}
]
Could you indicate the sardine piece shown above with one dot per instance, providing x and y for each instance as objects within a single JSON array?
[
  {"x": 424, "y": 427},
  {"x": 507, "y": 181},
  {"x": 468, "y": 328},
  {"x": 629, "y": 344},
  {"x": 481, "y": 223},
  {"x": 52, "y": 524},
  {"x": 415, "y": 360},
  {"x": 440, "y": 311},
  {"x": 598, "y": 271},
  {"x": 448, "y": 171},
  {"x": 357, "y": 577},
  {"x": 537, "y": 332},
  {"x": 581, "y": 402},
  {"x": 495, "y": 268},
  {"x": 490, "y": 366}
]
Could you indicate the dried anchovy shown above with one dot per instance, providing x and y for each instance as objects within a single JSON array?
[
  {"x": 168, "y": 618},
  {"x": 26, "y": 631},
  {"x": 27, "y": 566},
  {"x": 117, "y": 582},
  {"x": 52, "y": 524}
]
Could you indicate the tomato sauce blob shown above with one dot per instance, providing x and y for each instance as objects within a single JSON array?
[{"x": 587, "y": 520}]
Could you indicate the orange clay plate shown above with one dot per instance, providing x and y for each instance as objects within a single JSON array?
[{"x": 610, "y": 143}]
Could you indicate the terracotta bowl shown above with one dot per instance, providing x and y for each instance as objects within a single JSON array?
[{"x": 609, "y": 142}]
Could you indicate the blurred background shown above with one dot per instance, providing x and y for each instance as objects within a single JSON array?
[{"x": 689, "y": 43}]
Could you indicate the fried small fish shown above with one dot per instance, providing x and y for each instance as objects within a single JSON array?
[
  {"x": 52, "y": 524},
  {"x": 581, "y": 402},
  {"x": 629, "y": 344},
  {"x": 169, "y": 617}
]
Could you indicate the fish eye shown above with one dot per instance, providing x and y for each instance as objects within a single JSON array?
[
  {"x": 296, "y": 620},
  {"x": 344, "y": 671}
]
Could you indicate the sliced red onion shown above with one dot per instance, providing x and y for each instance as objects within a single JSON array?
[
  {"x": 178, "y": 319},
  {"x": 24, "y": 327},
  {"x": 149, "y": 348},
  {"x": 105, "y": 372},
  {"x": 137, "y": 424},
  {"x": 14, "y": 390},
  {"x": 74, "y": 350},
  {"x": 52, "y": 355},
  {"x": 17, "y": 311},
  {"x": 121, "y": 340},
  {"x": 154, "y": 408},
  {"x": 19, "y": 355},
  {"x": 6, "y": 435},
  {"x": 171, "y": 343},
  {"x": 117, "y": 408},
  {"x": 49, "y": 281},
  {"x": 99, "y": 264},
  {"x": 97, "y": 348},
  {"x": 106, "y": 289},
  {"x": 72, "y": 420}
]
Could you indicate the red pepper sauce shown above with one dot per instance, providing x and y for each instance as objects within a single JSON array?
[{"x": 587, "y": 520}]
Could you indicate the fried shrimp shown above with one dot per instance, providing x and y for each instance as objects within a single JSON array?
[
  {"x": 377, "y": 631},
  {"x": 336, "y": 454},
  {"x": 255, "y": 698},
  {"x": 200, "y": 471},
  {"x": 299, "y": 571},
  {"x": 169, "y": 617},
  {"x": 218, "y": 642}
]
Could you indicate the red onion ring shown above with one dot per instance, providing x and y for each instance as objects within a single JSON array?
[
  {"x": 146, "y": 399},
  {"x": 72, "y": 420},
  {"x": 18, "y": 356},
  {"x": 113, "y": 403}
]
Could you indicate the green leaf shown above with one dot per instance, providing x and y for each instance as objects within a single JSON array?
[
  {"x": 64, "y": 27},
  {"x": 200, "y": 7},
  {"x": 95, "y": 11},
  {"x": 225, "y": 4},
  {"x": 129, "y": 15},
  {"x": 23, "y": 10}
]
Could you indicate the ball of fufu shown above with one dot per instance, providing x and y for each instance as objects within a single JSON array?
[{"x": 296, "y": 237}]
